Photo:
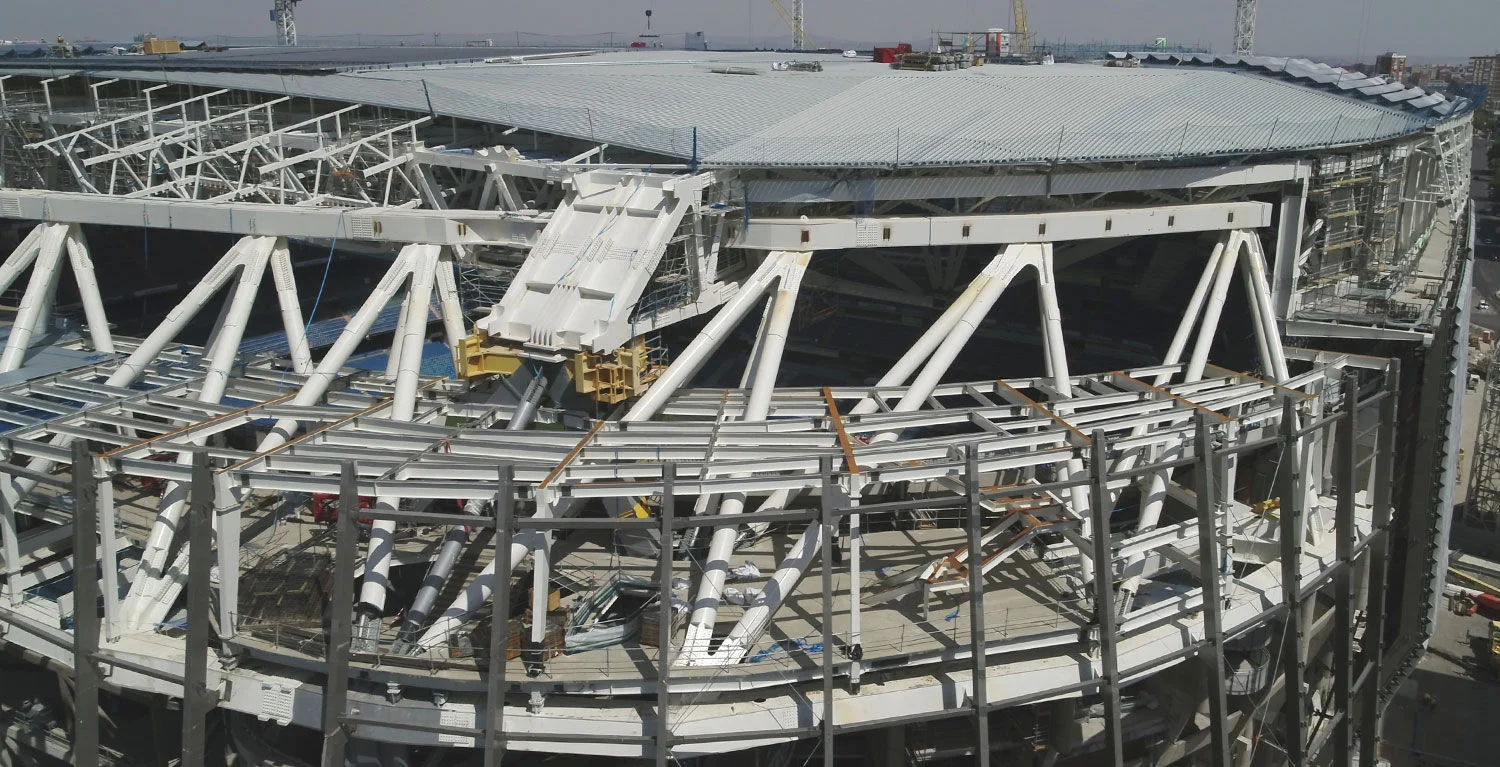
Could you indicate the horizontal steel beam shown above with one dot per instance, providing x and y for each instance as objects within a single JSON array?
[
  {"x": 804, "y": 234},
  {"x": 396, "y": 225}
]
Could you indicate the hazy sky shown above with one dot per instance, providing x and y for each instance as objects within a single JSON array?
[{"x": 1329, "y": 28}]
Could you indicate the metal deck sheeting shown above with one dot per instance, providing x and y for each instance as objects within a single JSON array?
[{"x": 856, "y": 113}]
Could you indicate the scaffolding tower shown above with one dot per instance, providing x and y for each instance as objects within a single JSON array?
[{"x": 1483, "y": 509}]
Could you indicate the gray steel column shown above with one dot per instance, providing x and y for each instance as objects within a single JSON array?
[
  {"x": 1343, "y": 599},
  {"x": 341, "y": 621},
  {"x": 494, "y": 728},
  {"x": 664, "y": 616},
  {"x": 1293, "y": 662},
  {"x": 195, "y": 696},
  {"x": 1104, "y": 598},
  {"x": 976, "y": 606},
  {"x": 1372, "y": 644},
  {"x": 1210, "y": 490},
  {"x": 825, "y": 469},
  {"x": 85, "y": 610}
]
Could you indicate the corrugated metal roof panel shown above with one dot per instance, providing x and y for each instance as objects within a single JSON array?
[{"x": 863, "y": 114}]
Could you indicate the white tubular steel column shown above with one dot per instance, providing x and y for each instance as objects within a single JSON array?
[
  {"x": 483, "y": 585},
  {"x": 291, "y": 308},
  {"x": 354, "y": 333},
  {"x": 767, "y": 361},
  {"x": 88, "y": 291},
  {"x": 393, "y": 357},
  {"x": 996, "y": 277},
  {"x": 151, "y": 593},
  {"x": 38, "y": 296},
  {"x": 1215, "y": 308},
  {"x": 1259, "y": 286},
  {"x": 403, "y": 407},
  {"x": 708, "y": 340},
  {"x": 452, "y": 311},
  {"x": 927, "y": 343},
  {"x": 178, "y": 318},
  {"x": 1052, "y": 330},
  {"x": 1193, "y": 311},
  {"x": 22, "y": 256}
]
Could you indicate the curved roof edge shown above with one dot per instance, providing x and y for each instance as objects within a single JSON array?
[{"x": 1372, "y": 88}]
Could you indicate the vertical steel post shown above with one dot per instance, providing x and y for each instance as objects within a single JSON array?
[
  {"x": 341, "y": 621},
  {"x": 976, "y": 606},
  {"x": 504, "y": 507},
  {"x": 195, "y": 697},
  {"x": 830, "y": 488},
  {"x": 1212, "y": 656},
  {"x": 1343, "y": 600},
  {"x": 85, "y": 610},
  {"x": 1104, "y": 599},
  {"x": 109, "y": 548},
  {"x": 229, "y": 558},
  {"x": 1372, "y": 644},
  {"x": 1293, "y": 662},
  {"x": 664, "y": 616}
]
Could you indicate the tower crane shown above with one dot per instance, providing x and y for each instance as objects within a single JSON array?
[
  {"x": 795, "y": 21},
  {"x": 1244, "y": 27},
  {"x": 283, "y": 15},
  {"x": 1020, "y": 34}
]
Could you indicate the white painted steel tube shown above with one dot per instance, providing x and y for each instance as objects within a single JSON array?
[
  {"x": 38, "y": 295},
  {"x": 403, "y": 405},
  {"x": 144, "y": 600},
  {"x": 354, "y": 333},
  {"x": 22, "y": 256},
  {"x": 1252, "y": 300},
  {"x": 456, "y": 537},
  {"x": 393, "y": 355},
  {"x": 929, "y": 341},
  {"x": 483, "y": 585},
  {"x": 732, "y": 650},
  {"x": 1212, "y": 311},
  {"x": 1052, "y": 329},
  {"x": 704, "y": 344},
  {"x": 88, "y": 291},
  {"x": 1191, "y": 313},
  {"x": 1260, "y": 286},
  {"x": 292, "y": 322},
  {"x": 448, "y": 303},
  {"x": 757, "y": 407},
  {"x": 177, "y": 319}
]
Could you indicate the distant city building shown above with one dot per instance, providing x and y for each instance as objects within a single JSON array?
[
  {"x": 1483, "y": 74},
  {"x": 1392, "y": 65}
]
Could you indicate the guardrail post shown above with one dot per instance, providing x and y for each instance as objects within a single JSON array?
[
  {"x": 341, "y": 621},
  {"x": 976, "y": 605},
  {"x": 85, "y": 611},
  {"x": 504, "y": 508},
  {"x": 830, "y": 527},
  {"x": 1104, "y": 598},
  {"x": 1212, "y": 656},
  {"x": 1292, "y": 532},
  {"x": 195, "y": 695},
  {"x": 664, "y": 617}
]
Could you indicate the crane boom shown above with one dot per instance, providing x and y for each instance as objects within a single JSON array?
[
  {"x": 1244, "y": 27},
  {"x": 794, "y": 20},
  {"x": 1020, "y": 33}
]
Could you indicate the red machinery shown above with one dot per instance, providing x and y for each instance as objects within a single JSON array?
[{"x": 325, "y": 507}]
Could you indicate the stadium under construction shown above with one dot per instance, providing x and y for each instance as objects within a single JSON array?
[{"x": 736, "y": 406}]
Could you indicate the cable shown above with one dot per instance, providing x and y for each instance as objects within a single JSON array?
[{"x": 327, "y": 267}]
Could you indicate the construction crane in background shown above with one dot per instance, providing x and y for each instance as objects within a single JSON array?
[
  {"x": 284, "y": 16},
  {"x": 1020, "y": 33},
  {"x": 795, "y": 21},
  {"x": 1244, "y": 27}
]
